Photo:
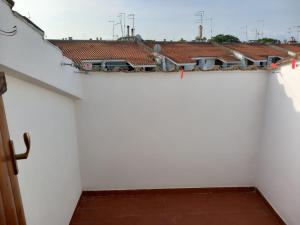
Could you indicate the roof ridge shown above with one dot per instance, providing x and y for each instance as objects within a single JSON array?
[{"x": 88, "y": 40}]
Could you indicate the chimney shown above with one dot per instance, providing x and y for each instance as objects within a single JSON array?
[
  {"x": 200, "y": 32},
  {"x": 70, "y": 38},
  {"x": 128, "y": 29},
  {"x": 132, "y": 32}
]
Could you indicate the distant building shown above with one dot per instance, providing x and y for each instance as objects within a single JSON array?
[
  {"x": 138, "y": 55},
  {"x": 98, "y": 55},
  {"x": 259, "y": 55},
  {"x": 192, "y": 55},
  {"x": 292, "y": 49}
]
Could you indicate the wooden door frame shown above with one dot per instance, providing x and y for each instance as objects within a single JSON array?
[{"x": 13, "y": 180}]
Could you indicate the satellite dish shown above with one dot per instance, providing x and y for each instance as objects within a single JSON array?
[
  {"x": 139, "y": 37},
  {"x": 157, "y": 48}
]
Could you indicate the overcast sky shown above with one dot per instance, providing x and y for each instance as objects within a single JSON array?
[{"x": 159, "y": 19}]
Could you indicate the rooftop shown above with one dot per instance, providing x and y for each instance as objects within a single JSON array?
[
  {"x": 257, "y": 51},
  {"x": 79, "y": 50},
  {"x": 184, "y": 52},
  {"x": 145, "y": 148},
  {"x": 290, "y": 47},
  {"x": 140, "y": 53}
]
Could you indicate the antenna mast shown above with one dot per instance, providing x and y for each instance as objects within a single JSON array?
[
  {"x": 298, "y": 31},
  {"x": 262, "y": 28},
  {"x": 132, "y": 17},
  {"x": 256, "y": 34},
  {"x": 122, "y": 22},
  {"x": 211, "y": 29},
  {"x": 113, "y": 28},
  {"x": 200, "y": 14},
  {"x": 246, "y": 31},
  {"x": 290, "y": 32}
]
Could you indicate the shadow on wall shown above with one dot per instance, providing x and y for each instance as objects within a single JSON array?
[
  {"x": 290, "y": 79},
  {"x": 279, "y": 156}
]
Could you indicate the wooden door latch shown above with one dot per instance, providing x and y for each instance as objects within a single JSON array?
[{"x": 20, "y": 156}]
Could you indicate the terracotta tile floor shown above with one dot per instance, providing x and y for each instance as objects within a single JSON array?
[{"x": 183, "y": 208}]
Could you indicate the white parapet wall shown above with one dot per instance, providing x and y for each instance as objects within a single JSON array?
[
  {"x": 278, "y": 172},
  {"x": 49, "y": 179},
  {"x": 154, "y": 130},
  {"x": 28, "y": 56},
  {"x": 40, "y": 100},
  {"x": 145, "y": 130}
]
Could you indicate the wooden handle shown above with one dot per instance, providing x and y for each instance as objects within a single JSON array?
[{"x": 20, "y": 156}]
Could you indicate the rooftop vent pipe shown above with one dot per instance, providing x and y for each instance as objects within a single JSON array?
[{"x": 128, "y": 29}]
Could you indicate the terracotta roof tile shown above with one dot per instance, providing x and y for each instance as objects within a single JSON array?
[
  {"x": 257, "y": 51},
  {"x": 79, "y": 50},
  {"x": 184, "y": 52},
  {"x": 290, "y": 47}
]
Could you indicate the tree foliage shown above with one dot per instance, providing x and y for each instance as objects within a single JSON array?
[
  {"x": 268, "y": 41},
  {"x": 222, "y": 38}
]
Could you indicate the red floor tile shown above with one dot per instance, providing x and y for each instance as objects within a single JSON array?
[{"x": 227, "y": 208}]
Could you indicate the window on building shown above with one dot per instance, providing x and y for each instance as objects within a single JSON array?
[
  {"x": 96, "y": 66},
  {"x": 218, "y": 62},
  {"x": 249, "y": 62},
  {"x": 262, "y": 64},
  {"x": 150, "y": 69},
  {"x": 118, "y": 66},
  {"x": 275, "y": 59}
]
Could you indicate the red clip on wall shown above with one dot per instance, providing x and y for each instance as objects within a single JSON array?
[
  {"x": 181, "y": 72},
  {"x": 294, "y": 64}
]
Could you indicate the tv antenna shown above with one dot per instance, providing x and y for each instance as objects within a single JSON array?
[
  {"x": 246, "y": 31},
  {"x": 257, "y": 34},
  {"x": 199, "y": 14},
  {"x": 199, "y": 19},
  {"x": 211, "y": 29},
  {"x": 122, "y": 17},
  {"x": 121, "y": 23},
  {"x": 132, "y": 17},
  {"x": 262, "y": 22},
  {"x": 113, "y": 28},
  {"x": 298, "y": 31},
  {"x": 290, "y": 32}
]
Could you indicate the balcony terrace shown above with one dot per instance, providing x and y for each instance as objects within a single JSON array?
[{"x": 114, "y": 147}]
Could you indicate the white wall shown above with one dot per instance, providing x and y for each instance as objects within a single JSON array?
[
  {"x": 49, "y": 179},
  {"x": 278, "y": 173},
  {"x": 40, "y": 99},
  {"x": 206, "y": 63},
  {"x": 170, "y": 66},
  {"x": 148, "y": 130},
  {"x": 154, "y": 130},
  {"x": 33, "y": 58}
]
